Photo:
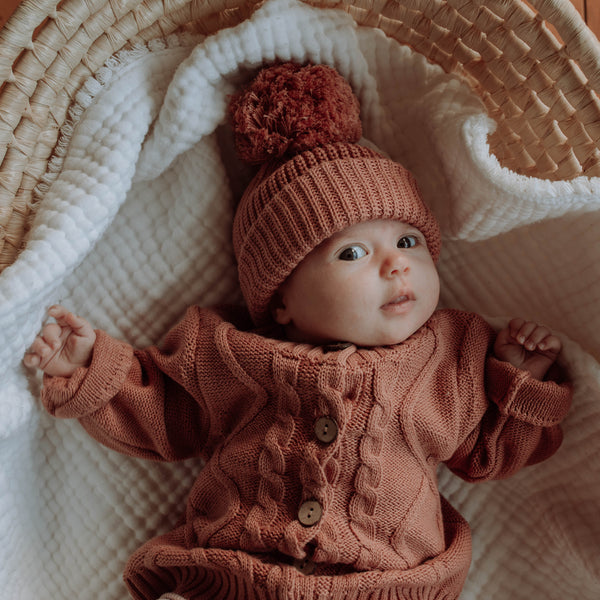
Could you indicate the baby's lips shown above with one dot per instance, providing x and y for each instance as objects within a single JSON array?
[{"x": 400, "y": 297}]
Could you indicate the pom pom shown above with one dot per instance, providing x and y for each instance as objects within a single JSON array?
[{"x": 289, "y": 108}]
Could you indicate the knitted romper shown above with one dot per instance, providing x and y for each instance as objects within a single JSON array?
[{"x": 320, "y": 477}]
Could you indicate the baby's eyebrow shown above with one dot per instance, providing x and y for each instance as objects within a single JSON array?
[
  {"x": 338, "y": 239},
  {"x": 408, "y": 227},
  {"x": 412, "y": 230}
]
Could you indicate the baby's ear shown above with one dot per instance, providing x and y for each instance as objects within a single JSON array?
[{"x": 279, "y": 311}]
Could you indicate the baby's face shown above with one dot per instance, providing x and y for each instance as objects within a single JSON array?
[{"x": 372, "y": 284}]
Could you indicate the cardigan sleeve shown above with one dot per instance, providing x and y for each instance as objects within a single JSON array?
[
  {"x": 147, "y": 403},
  {"x": 513, "y": 420}
]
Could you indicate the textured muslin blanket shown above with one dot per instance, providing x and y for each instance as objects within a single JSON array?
[{"x": 134, "y": 224}]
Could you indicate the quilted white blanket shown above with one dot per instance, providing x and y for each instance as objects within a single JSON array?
[{"x": 134, "y": 224}]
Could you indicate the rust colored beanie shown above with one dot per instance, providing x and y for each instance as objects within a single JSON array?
[{"x": 302, "y": 124}]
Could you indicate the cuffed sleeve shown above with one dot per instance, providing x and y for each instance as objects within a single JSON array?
[
  {"x": 510, "y": 419},
  {"x": 88, "y": 389},
  {"x": 518, "y": 395}
]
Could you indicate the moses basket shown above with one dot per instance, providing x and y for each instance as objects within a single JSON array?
[{"x": 533, "y": 68}]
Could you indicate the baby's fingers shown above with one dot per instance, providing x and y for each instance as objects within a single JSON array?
[
  {"x": 66, "y": 318},
  {"x": 515, "y": 326},
  {"x": 533, "y": 336},
  {"x": 51, "y": 334},
  {"x": 31, "y": 360},
  {"x": 550, "y": 343},
  {"x": 522, "y": 330},
  {"x": 40, "y": 353}
]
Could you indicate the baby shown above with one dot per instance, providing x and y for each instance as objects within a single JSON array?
[{"x": 324, "y": 408}]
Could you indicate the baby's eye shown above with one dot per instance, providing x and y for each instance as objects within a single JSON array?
[
  {"x": 352, "y": 253},
  {"x": 408, "y": 241}
]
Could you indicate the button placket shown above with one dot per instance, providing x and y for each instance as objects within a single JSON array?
[
  {"x": 304, "y": 565},
  {"x": 326, "y": 429},
  {"x": 310, "y": 513}
]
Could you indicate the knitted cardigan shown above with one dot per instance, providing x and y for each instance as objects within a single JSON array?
[{"x": 248, "y": 405}]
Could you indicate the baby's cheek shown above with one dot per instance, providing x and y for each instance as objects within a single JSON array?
[{"x": 350, "y": 317}]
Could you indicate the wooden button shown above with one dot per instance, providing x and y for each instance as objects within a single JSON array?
[
  {"x": 326, "y": 429},
  {"x": 310, "y": 513},
  {"x": 304, "y": 565}
]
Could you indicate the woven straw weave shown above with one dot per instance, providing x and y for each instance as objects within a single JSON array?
[{"x": 535, "y": 65}]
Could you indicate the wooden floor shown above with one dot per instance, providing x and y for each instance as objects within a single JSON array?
[{"x": 590, "y": 9}]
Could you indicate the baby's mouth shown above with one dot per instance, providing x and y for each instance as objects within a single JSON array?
[{"x": 400, "y": 301}]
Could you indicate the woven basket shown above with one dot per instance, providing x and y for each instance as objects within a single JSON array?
[{"x": 536, "y": 67}]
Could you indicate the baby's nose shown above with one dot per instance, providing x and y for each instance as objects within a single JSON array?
[{"x": 394, "y": 264}]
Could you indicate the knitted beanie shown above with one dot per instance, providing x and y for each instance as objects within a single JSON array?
[{"x": 302, "y": 124}]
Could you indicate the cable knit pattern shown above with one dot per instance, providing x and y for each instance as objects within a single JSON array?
[
  {"x": 248, "y": 404},
  {"x": 368, "y": 479},
  {"x": 334, "y": 402},
  {"x": 272, "y": 462}
]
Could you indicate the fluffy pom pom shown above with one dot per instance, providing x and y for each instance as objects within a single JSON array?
[{"x": 289, "y": 108}]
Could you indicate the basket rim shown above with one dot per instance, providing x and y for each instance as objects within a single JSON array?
[{"x": 48, "y": 48}]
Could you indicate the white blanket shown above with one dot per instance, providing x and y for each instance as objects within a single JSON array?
[{"x": 134, "y": 225}]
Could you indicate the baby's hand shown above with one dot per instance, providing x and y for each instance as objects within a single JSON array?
[
  {"x": 528, "y": 346},
  {"x": 62, "y": 347}
]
